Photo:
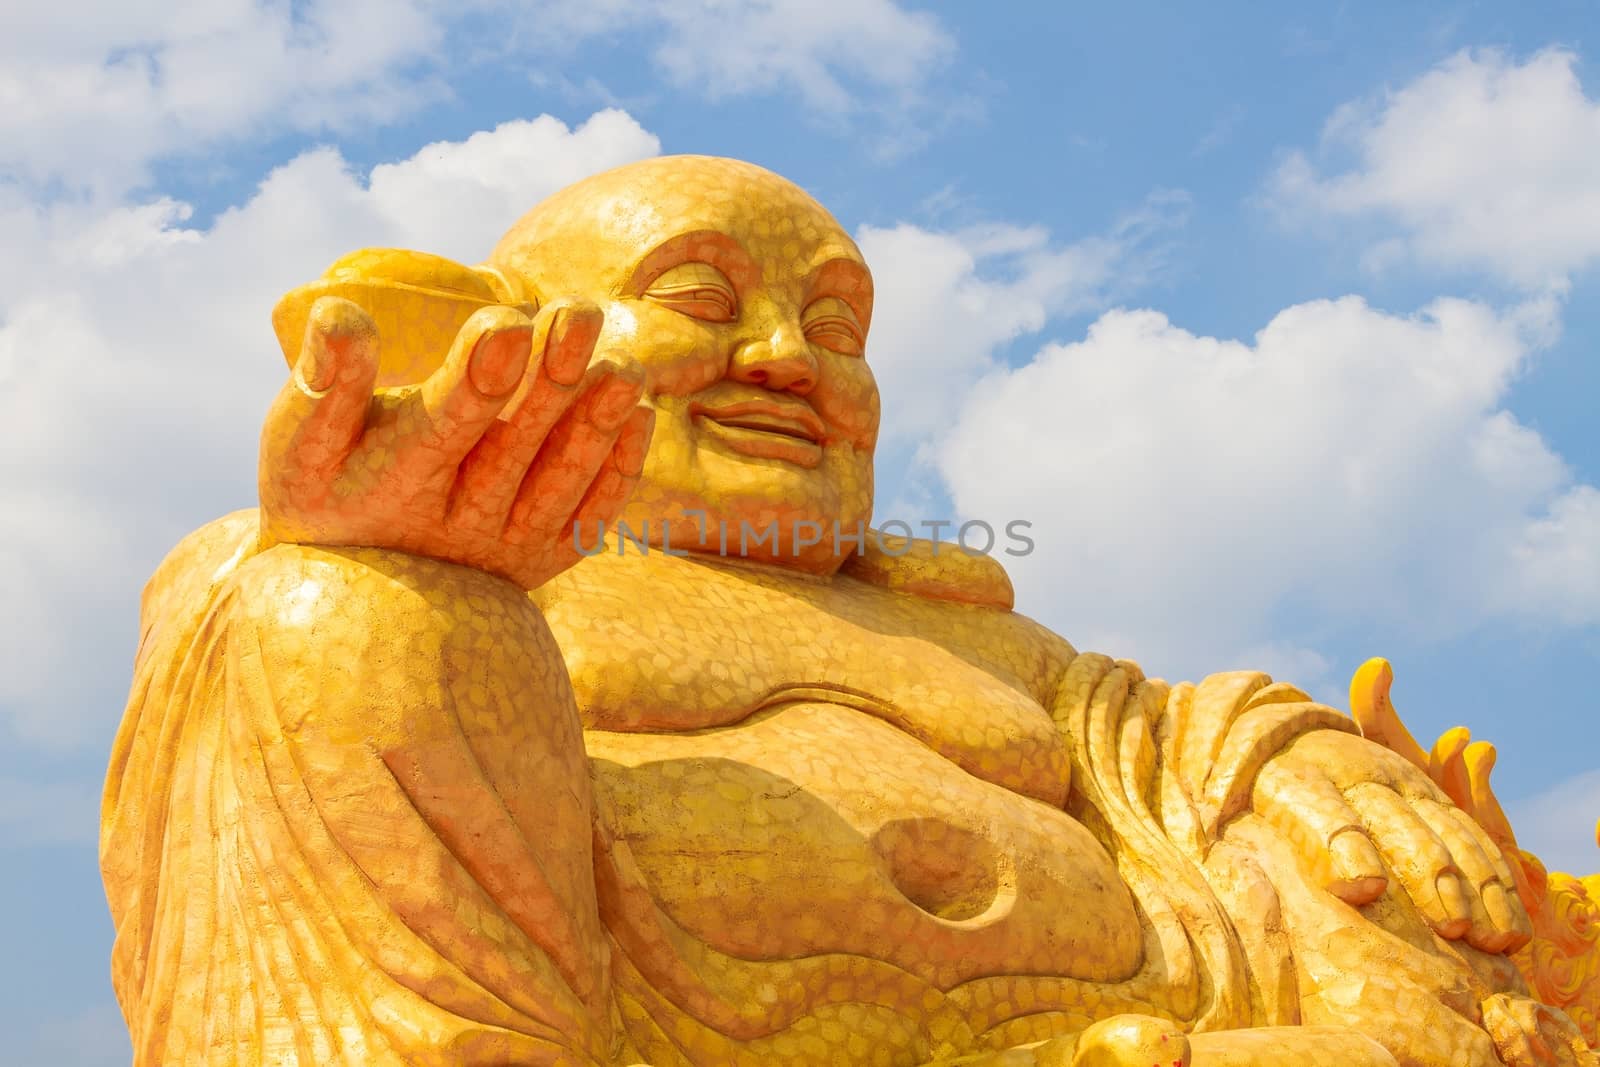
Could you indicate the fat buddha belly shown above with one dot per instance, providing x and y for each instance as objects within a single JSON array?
[{"x": 815, "y": 829}]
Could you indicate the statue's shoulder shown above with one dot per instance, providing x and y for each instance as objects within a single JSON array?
[
  {"x": 939, "y": 572},
  {"x": 200, "y": 561},
  {"x": 933, "y": 570}
]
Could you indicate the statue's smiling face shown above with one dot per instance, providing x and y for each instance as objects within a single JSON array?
[{"x": 748, "y": 306}]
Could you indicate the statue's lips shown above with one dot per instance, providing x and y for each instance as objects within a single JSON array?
[{"x": 765, "y": 430}]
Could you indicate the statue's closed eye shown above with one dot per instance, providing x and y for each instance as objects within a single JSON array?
[
  {"x": 698, "y": 290},
  {"x": 832, "y": 323}
]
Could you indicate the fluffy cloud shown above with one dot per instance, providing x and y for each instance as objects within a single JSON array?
[
  {"x": 1555, "y": 563},
  {"x": 826, "y": 50},
  {"x": 1190, "y": 492},
  {"x": 870, "y": 65},
  {"x": 137, "y": 363},
  {"x": 91, "y": 102},
  {"x": 946, "y": 301},
  {"x": 1483, "y": 163},
  {"x": 820, "y": 48}
]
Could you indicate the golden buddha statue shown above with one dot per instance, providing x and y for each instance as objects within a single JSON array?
[{"x": 556, "y": 707}]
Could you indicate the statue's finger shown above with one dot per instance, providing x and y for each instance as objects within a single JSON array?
[
  {"x": 487, "y": 362},
  {"x": 1491, "y": 933},
  {"x": 1491, "y": 848},
  {"x": 1380, "y": 767},
  {"x": 1518, "y": 1026},
  {"x": 612, "y": 487},
  {"x": 1499, "y": 891},
  {"x": 575, "y": 326},
  {"x": 493, "y": 471},
  {"x": 320, "y": 413},
  {"x": 1327, "y": 832},
  {"x": 1417, "y": 857},
  {"x": 574, "y": 452}
]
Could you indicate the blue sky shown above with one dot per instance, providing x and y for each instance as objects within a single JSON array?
[{"x": 1283, "y": 333}]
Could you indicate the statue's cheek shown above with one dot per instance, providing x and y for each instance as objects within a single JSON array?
[
  {"x": 680, "y": 354},
  {"x": 847, "y": 398}
]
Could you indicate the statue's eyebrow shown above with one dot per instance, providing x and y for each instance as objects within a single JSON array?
[
  {"x": 696, "y": 246},
  {"x": 847, "y": 278}
]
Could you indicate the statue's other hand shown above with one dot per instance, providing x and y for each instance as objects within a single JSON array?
[
  {"x": 1527, "y": 1033},
  {"x": 1364, "y": 814},
  {"x": 487, "y": 463}
]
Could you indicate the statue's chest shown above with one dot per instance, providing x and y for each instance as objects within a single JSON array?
[{"x": 673, "y": 645}]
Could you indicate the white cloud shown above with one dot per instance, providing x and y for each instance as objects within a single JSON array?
[
  {"x": 1483, "y": 163},
  {"x": 1558, "y": 824},
  {"x": 817, "y": 46},
  {"x": 1359, "y": 465},
  {"x": 1555, "y": 561},
  {"x": 947, "y": 300},
  {"x": 870, "y": 65},
  {"x": 828, "y": 51},
  {"x": 89, "y": 102},
  {"x": 136, "y": 361},
  {"x": 489, "y": 180}
]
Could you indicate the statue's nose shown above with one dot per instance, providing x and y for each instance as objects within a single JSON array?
[{"x": 782, "y": 362}]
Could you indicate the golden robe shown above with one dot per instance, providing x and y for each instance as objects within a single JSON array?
[{"x": 367, "y": 808}]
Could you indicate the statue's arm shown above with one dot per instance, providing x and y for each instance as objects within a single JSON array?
[
  {"x": 348, "y": 819},
  {"x": 1361, "y": 814},
  {"x": 1250, "y": 786},
  {"x": 1399, "y": 909}
]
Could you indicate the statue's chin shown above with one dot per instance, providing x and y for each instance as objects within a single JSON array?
[
  {"x": 797, "y": 543},
  {"x": 801, "y": 544},
  {"x": 717, "y": 501}
]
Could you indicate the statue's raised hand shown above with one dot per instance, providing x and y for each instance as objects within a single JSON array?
[
  {"x": 488, "y": 462},
  {"x": 1365, "y": 814}
]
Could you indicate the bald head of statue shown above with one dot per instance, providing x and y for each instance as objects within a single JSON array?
[{"x": 748, "y": 306}]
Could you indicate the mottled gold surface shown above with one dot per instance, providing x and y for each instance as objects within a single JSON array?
[{"x": 405, "y": 779}]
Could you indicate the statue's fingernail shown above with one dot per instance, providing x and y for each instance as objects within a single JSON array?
[
  {"x": 499, "y": 360},
  {"x": 1498, "y": 905},
  {"x": 340, "y": 339},
  {"x": 1453, "y": 896},
  {"x": 1356, "y": 860},
  {"x": 314, "y": 368},
  {"x": 572, "y": 335}
]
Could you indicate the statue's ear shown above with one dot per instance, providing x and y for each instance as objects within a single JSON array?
[{"x": 418, "y": 301}]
